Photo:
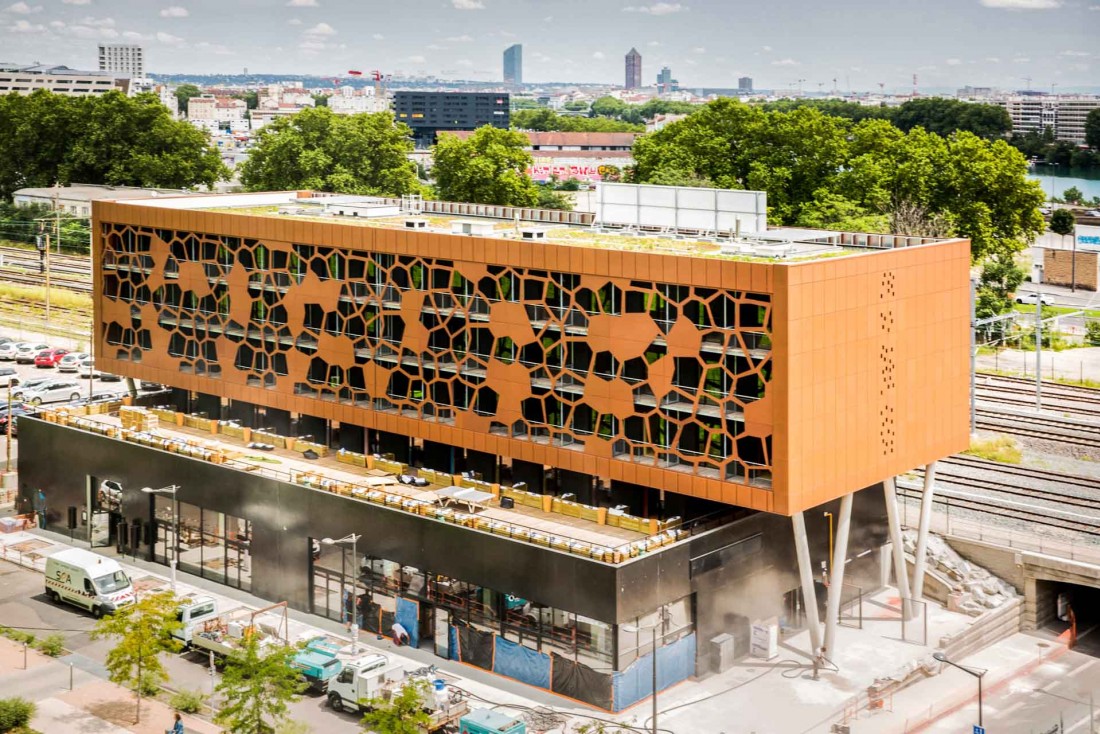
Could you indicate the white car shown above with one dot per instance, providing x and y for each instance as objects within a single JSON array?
[
  {"x": 71, "y": 361},
  {"x": 27, "y": 351},
  {"x": 8, "y": 377},
  {"x": 62, "y": 391},
  {"x": 1032, "y": 298},
  {"x": 35, "y": 383},
  {"x": 9, "y": 350}
]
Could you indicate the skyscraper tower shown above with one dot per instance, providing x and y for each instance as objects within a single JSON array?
[
  {"x": 513, "y": 64},
  {"x": 633, "y": 69}
]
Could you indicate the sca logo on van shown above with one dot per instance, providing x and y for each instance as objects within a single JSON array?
[{"x": 63, "y": 576}]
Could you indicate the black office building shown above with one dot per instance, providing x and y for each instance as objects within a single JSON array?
[{"x": 427, "y": 113}]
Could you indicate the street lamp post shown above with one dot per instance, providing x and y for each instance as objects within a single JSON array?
[
  {"x": 1090, "y": 703},
  {"x": 979, "y": 674},
  {"x": 171, "y": 491},
  {"x": 352, "y": 539}
]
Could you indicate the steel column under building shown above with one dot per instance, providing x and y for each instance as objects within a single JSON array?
[
  {"x": 894, "y": 522},
  {"x": 806, "y": 575},
  {"x": 922, "y": 530},
  {"x": 836, "y": 572}
]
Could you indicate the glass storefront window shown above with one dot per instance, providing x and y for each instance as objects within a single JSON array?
[{"x": 211, "y": 545}]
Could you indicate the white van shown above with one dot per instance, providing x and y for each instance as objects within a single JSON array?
[{"x": 88, "y": 580}]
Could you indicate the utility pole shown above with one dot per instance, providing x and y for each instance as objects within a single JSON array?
[
  {"x": 1038, "y": 349},
  {"x": 8, "y": 429}
]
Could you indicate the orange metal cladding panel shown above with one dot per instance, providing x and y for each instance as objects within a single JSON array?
[
  {"x": 158, "y": 365},
  {"x": 875, "y": 357}
]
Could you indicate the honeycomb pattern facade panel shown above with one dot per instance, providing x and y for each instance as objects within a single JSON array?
[{"x": 637, "y": 370}]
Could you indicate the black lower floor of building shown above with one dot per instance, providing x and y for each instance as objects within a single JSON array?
[{"x": 570, "y": 624}]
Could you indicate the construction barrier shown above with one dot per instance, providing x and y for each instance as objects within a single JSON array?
[
  {"x": 408, "y": 616},
  {"x": 522, "y": 663},
  {"x": 675, "y": 662}
]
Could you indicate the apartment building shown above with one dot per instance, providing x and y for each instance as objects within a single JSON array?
[
  {"x": 122, "y": 59},
  {"x": 1063, "y": 115},
  {"x": 56, "y": 79}
]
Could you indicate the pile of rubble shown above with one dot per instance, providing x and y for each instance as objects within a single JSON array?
[{"x": 975, "y": 590}]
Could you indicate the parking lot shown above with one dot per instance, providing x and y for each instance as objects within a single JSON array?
[{"x": 94, "y": 387}]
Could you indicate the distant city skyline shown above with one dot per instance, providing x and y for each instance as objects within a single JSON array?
[{"x": 947, "y": 43}]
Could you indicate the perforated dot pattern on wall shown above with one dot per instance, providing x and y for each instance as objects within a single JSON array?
[{"x": 887, "y": 365}]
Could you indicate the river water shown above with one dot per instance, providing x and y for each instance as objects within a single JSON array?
[{"x": 1056, "y": 179}]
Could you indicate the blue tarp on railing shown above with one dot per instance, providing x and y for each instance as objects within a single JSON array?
[
  {"x": 408, "y": 616},
  {"x": 675, "y": 662},
  {"x": 452, "y": 643},
  {"x": 522, "y": 663}
]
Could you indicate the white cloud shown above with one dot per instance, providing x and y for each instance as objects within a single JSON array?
[
  {"x": 312, "y": 46},
  {"x": 699, "y": 50},
  {"x": 653, "y": 44},
  {"x": 77, "y": 2},
  {"x": 174, "y": 11},
  {"x": 656, "y": 8},
  {"x": 766, "y": 48},
  {"x": 321, "y": 29},
  {"x": 1021, "y": 60},
  {"x": 468, "y": 4},
  {"x": 21, "y": 8},
  {"x": 378, "y": 37},
  {"x": 416, "y": 60},
  {"x": 302, "y": 3},
  {"x": 464, "y": 38},
  {"x": 435, "y": 47},
  {"x": 993, "y": 59},
  {"x": 599, "y": 55},
  {"x": 294, "y": 21},
  {"x": 135, "y": 36},
  {"x": 465, "y": 63},
  {"x": 690, "y": 62},
  {"x": 1022, "y": 4},
  {"x": 213, "y": 48},
  {"x": 169, "y": 40},
  {"x": 56, "y": 24},
  {"x": 785, "y": 62},
  {"x": 98, "y": 22},
  {"x": 1078, "y": 54},
  {"x": 953, "y": 62},
  {"x": 25, "y": 26}
]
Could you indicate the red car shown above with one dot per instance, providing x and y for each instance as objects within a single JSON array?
[{"x": 49, "y": 357}]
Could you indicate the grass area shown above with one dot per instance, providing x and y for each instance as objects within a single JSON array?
[
  {"x": 1002, "y": 449},
  {"x": 34, "y": 294},
  {"x": 1048, "y": 311},
  {"x": 1059, "y": 380}
]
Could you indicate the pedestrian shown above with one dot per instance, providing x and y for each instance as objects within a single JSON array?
[
  {"x": 400, "y": 634},
  {"x": 177, "y": 727}
]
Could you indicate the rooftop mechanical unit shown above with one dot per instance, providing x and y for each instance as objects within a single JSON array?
[{"x": 472, "y": 228}]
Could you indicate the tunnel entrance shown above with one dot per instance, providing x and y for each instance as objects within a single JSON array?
[{"x": 1060, "y": 605}]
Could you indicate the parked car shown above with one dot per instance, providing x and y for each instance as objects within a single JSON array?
[
  {"x": 49, "y": 357},
  {"x": 8, "y": 376},
  {"x": 9, "y": 350},
  {"x": 33, "y": 384},
  {"x": 6, "y": 340},
  {"x": 27, "y": 351},
  {"x": 64, "y": 390},
  {"x": 1093, "y": 213},
  {"x": 1031, "y": 298},
  {"x": 86, "y": 370},
  {"x": 71, "y": 361},
  {"x": 17, "y": 410}
]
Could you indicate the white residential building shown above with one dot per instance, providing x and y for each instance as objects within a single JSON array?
[
  {"x": 349, "y": 101},
  {"x": 1064, "y": 115},
  {"x": 122, "y": 59},
  {"x": 56, "y": 79},
  {"x": 208, "y": 108}
]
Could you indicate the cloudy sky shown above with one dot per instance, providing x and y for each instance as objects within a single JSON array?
[{"x": 706, "y": 42}]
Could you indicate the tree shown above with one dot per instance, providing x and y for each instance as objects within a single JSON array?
[
  {"x": 318, "y": 149},
  {"x": 1092, "y": 129},
  {"x": 258, "y": 684},
  {"x": 403, "y": 713},
  {"x": 144, "y": 632},
  {"x": 320, "y": 100},
  {"x": 551, "y": 199},
  {"x": 544, "y": 120},
  {"x": 1062, "y": 222},
  {"x": 997, "y": 284},
  {"x": 102, "y": 139},
  {"x": 185, "y": 92},
  {"x": 251, "y": 98},
  {"x": 1073, "y": 195},
  {"x": 489, "y": 167}
]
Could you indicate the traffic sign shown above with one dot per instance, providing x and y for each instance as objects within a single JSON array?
[{"x": 979, "y": 729}]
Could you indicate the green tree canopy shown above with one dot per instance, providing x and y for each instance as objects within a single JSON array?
[
  {"x": 544, "y": 120},
  {"x": 401, "y": 714},
  {"x": 1092, "y": 129},
  {"x": 318, "y": 149},
  {"x": 1073, "y": 195},
  {"x": 185, "y": 92},
  {"x": 102, "y": 139},
  {"x": 257, "y": 685},
  {"x": 1062, "y": 222},
  {"x": 143, "y": 631},
  {"x": 489, "y": 167}
]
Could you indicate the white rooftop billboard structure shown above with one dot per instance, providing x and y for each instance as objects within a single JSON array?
[{"x": 720, "y": 211}]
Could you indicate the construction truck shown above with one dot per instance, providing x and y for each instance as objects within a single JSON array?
[
  {"x": 487, "y": 721},
  {"x": 204, "y": 627},
  {"x": 375, "y": 677},
  {"x": 320, "y": 661}
]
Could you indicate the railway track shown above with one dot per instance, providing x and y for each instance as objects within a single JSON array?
[
  {"x": 69, "y": 272},
  {"x": 1066, "y": 399},
  {"x": 1017, "y": 482},
  {"x": 1045, "y": 427},
  {"x": 1020, "y": 511}
]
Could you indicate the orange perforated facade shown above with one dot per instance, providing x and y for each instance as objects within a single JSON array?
[{"x": 766, "y": 384}]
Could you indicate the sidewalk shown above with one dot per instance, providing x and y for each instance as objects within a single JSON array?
[{"x": 91, "y": 706}]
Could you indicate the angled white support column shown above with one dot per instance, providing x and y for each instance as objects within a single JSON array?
[
  {"x": 806, "y": 574},
  {"x": 922, "y": 530},
  {"x": 892, "y": 519},
  {"x": 836, "y": 574}
]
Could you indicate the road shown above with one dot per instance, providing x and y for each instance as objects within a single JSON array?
[
  {"x": 1052, "y": 699},
  {"x": 23, "y": 604}
]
